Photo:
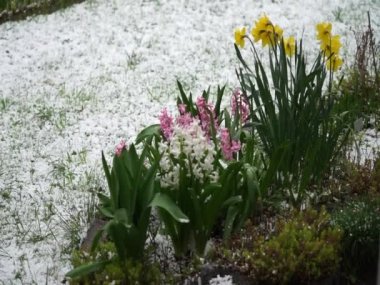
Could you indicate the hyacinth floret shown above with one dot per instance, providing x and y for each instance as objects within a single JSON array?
[
  {"x": 206, "y": 115},
  {"x": 229, "y": 147},
  {"x": 184, "y": 119},
  {"x": 166, "y": 124},
  {"x": 196, "y": 151},
  {"x": 239, "y": 105},
  {"x": 120, "y": 147}
]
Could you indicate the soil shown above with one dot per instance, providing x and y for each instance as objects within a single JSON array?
[{"x": 47, "y": 7}]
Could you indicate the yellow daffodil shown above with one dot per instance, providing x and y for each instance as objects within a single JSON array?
[
  {"x": 334, "y": 62},
  {"x": 324, "y": 31},
  {"x": 332, "y": 46},
  {"x": 274, "y": 35},
  {"x": 239, "y": 36},
  {"x": 290, "y": 46},
  {"x": 260, "y": 28}
]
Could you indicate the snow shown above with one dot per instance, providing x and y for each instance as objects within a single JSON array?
[{"x": 75, "y": 82}]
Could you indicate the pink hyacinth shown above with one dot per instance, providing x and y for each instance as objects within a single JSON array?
[
  {"x": 184, "y": 120},
  {"x": 120, "y": 147},
  {"x": 228, "y": 147},
  {"x": 204, "y": 111},
  {"x": 239, "y": 105},
  {"x": 182, "y": 109},
  {"x": 166, "y": 123}
]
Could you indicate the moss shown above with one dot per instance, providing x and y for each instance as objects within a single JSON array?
[
  {"x": 303, "y": 248},
  {"x": 360, "y": 222},
  {"x": 115, "y": 272}
]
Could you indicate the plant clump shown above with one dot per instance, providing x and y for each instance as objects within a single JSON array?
[
  {"x": 209, "y": 169},
  {"x": 302, "y": 248},
  {"x": 360, "y": 221}
]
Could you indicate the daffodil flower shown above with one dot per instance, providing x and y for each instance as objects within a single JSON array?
[
  {"x": 290, "y": 46},
  {"x": 272, "y": 36},
  {"x": 324, "y": 31},
  {"x": 265, "y": 31},
  {"x": 260, "y": 28},
  {"x": 332, "y": 46},
  {"x": 334, "y": 62},
  {"x": 240, "y": 34}
]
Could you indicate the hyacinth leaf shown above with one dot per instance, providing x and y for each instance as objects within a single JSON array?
[
  {"x": 148, "y": 133},
  {"x": 99, "y": 234},
  {"x": 147, "y": 186},
  {"x": 232, "y": 201},
  {"x": 124, "y": 180},
  {"x": 164, "y": 202},
  {"x": 227, "y": 120},
  {"x": 107, "y": 212},
  {"x": 121, "y": 217},
  {"x": 219, "y": 97},
  {"x": 132, "y": 162},
  {"x": 87, "y": 269},
  {"x": 118, "y": 234},
  {"x": 232, "y": 213},
  {"x": 187, "y": 100},
  {"x": 105, "y": 201},
  {"x": 206, "y": 94},
  {"x": 107, "y": 173},
  {"x": 252, "y": 193},
  {"x": 184, "y": 98}
]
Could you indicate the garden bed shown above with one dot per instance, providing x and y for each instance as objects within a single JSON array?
[
  {"x": 35, "y": 8},
  {"x": 76, "y": 82}
]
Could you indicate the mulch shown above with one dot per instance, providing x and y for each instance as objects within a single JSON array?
[{"x": 46, "y": 7}]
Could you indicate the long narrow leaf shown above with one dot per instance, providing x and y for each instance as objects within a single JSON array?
[
  {"x": 164, "y": 202},
  {"x": 87, "y": 269}
]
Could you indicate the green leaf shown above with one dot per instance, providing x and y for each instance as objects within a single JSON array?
[
  {"x": 148, "y": 132},
  {"x": 106, "y": 171},
  {"x": 118, "y": 233},
  {"x": 87, "y": 269},
  {"x": 147, "y": 186},
  {"x": 219, "y": 98},
  {"x": 121, "y": 217},
  {"x": 232, "y": 212},
  {"x": 232, "y": 201},
  {"x": 98, "y": 236},
  {"x": 107, "y": 212},
  {"x": 125, "y": 182},
  {"x": 183, "y": 94},
  {"x": 104, "y": 200},
  {"x": 241, "y": 58},
  {"x": 164, "y": 202}
]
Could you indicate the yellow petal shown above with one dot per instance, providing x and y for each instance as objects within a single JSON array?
[
  {"x": 334, "y": 63},
  {"x": 324, "y": 31},
  {"x": 239, "y": 36},
  {"x": 290, "y": 46},
  {"x": 332, "y": 46}
]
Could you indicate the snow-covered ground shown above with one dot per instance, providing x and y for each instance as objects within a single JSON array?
[{"x": 75, "y": 82}]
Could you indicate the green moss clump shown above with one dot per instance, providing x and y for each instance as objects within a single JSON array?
[
  {"x": 301, "y": 249},
  {"x": 360, "y": 222},
  {"x": 115, "y": 272}
]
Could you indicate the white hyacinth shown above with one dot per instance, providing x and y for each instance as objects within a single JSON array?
[{"x": 190, "y": 145}]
